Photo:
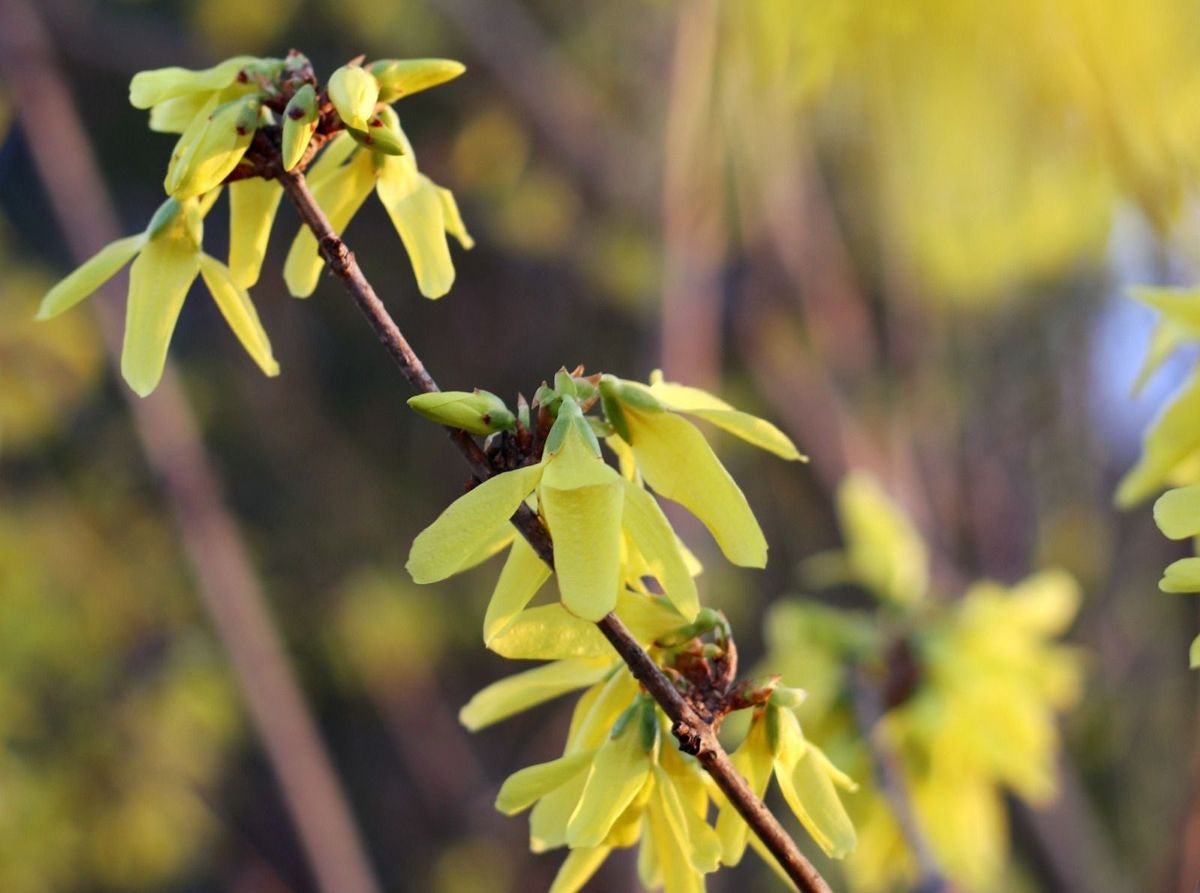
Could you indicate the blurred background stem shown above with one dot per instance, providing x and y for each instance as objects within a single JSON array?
[{"x": 170, "y": 438}]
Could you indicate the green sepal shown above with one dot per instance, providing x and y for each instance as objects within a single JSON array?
[
  {"x": 610, "y": 402},
  {"x": 163, "y": 217},
  {"x": 639, "y": 397},
  {"x": 378, "y": 138},
  {"x": 570, "y": 416},
  {"x": 565, "y": 384}
]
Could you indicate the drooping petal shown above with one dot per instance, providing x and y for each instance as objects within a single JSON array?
[
  {"x": 252, "y": 206},
  {"x": 524, "y": 788},
  {"x": 808, "y": 788},
  {"x": 206, "y": 156},
  {"x": 520, "y": 579},
  {"x": 90, "y": 275},
  {"x": 158, "y": 283},
  {"x": 510, "y": 696},
  {"x": 340, "y": 193},
  {"x": 653, "y": 537},
  {"x": 754, "y": 760},
  {"x": 1171, "y": 438},
  {"x": 674, "y": 867},
  {"x": 617, "y": 773},
  {"x": 693, "y": 836},
  {"x": 453, "y": 219},
  {"x": 694, "y": 401},
  {"x": 415, "y": 208},
  {"x": 577, "y": 869},
  {"x": 469, "y": 522},
  {"x": 591, "y": 722},
  {"x": 499, "y": 540},
  {"x": 678, "y": 463},
  {"x": 549, "y": 632},
  {"x": 548, "y": 821},
  {"x": 234, "y": 304},
  {"x": 581, "y": 499},
  {"x": 1181, "y": 576},
  {"x": 1177, "y": 512},
  {"x": 149, "y": 88}
]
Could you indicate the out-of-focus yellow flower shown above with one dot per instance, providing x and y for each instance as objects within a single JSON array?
[
  {"x": 166, "y": 261},
  {"x": 421, "y": 211},
  {"x": 677, "y": 462},
  {"x": 586, "y": 505},
  {"x": 1177, "y": 513}
]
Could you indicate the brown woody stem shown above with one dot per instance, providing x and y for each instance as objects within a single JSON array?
[{"x": 688, "y": 724}]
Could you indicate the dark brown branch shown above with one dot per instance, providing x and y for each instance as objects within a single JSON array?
[{"x": 688, "y": 726}]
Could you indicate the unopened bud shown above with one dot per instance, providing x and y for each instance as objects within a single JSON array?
[
  {"x": 479, "y": 412},
  {"x": 299, "y": 124},
  {"x": 788, "y": 698},
  {"x": 403, "y": 77},
  {"x": 378, "y": 137},
  {"x": 354, "y": 92}
]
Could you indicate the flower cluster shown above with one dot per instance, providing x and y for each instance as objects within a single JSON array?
[
  {"x": 970, "y": 691},
  {"x": 621, "y": 781},
  {"x": 242, "y": 125}
]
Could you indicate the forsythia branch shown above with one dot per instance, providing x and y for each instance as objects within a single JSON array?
[{"x": 688, "y": 726}]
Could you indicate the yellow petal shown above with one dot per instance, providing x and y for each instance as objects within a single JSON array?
[
  {"x": 617, "y": 774},
  {"x": 453, "y": 219},
  {"x": 678, "y": 463},
  {"x": 1177, "y": 512},
  {"x": 499, "y": 540},
  {"x": 1172, "y": 437},
  {"x": 1045, "y": 603},
  {"x": 808, "y": 788},
  {"x": 239, "y": 312},
  {"x": 521, "y": 691},
  {"x": 1181, "y": 576},
  {"x": 158, "y": 283},
  {"x": 206, "y": 155},
  {"x": 1164, "y": 340},
  {"x": 1180, "y": 306},
  {"x": 581, "y": 500},
  {"x": 522, "y": 789},
  {"x": 674, "y": 867},
  {"x": 755, "y": 431},
  {"x": 653, "y": 537},
  {"x": 885, "y": 552},
  {"x": 648, "y": 617},
  {"x": 174, "y": 115},
  {"x": 403, "y": 77},
  {"x": 252, "y": 206},
  {"x": 340, "y": 194},
  {"x": 754, "y": 760},
  {"x": 520, "y": 579},
  {"x": 548, "y": 821},
  {"x": 469, "y": 522},
  {"x": 336, "y": 153},
  {"x": 577, "y": 869},
  {"x": 415, "y": 210},
  {"x": 592, "y": 722},
  {"x": 354, "y": 92},
  {"x": 548, "y": 632},
  {"x": 92, "y": 274},
  {"x": 693, "y": 836},
  {"x": 152, "y": 87}
]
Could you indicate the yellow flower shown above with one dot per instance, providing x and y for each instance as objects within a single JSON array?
[
  {"x": 587, "y": 507},
  {"x": 806, "y": 777},
  {"x": 421, "y": 211},
  {"x": 166, "y": 261},
  {"x": 212, "y": 145},
  {"x": 617, "y": 785},
  {"x": 1177, "y": 514},
  {"x": 677, "y": 462},
  {"x": 175, "y": 96}
]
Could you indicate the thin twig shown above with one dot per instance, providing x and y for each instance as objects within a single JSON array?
[
  {"x": 688, "y": 724},
  {"x": 171, "y": 441},
  {"x": 868, "y": 710}
]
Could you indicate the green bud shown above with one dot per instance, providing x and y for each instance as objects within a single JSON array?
[
  {"x": 599, "y": 427},
  {"x": 403, "y": 77},
  {"x": 163, "y": 217},
  {"x": 354, "y": 92},
  {"x": 639, "y": 398},
  {"x": 479, "y": 412},
  {"x": 570, "y": 416},
  {"x": 584, "y": 389},
  {"x": 299, "y": 124},
  {"x": 788, "y": 698}
]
